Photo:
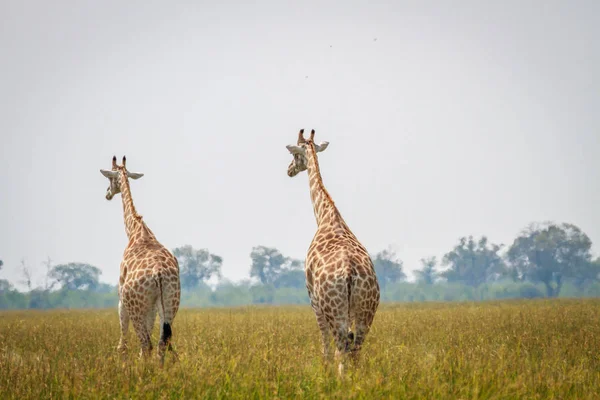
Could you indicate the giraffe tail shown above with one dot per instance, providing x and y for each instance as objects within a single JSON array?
[{"x": 166, "y": 331}]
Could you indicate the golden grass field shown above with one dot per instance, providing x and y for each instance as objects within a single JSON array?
[{"x": 492, "y": 350}]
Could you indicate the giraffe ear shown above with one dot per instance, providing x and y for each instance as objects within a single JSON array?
[
  {"x": 134, "y": 175},
  {"x": 321, "y": 146},
  {"x": 295, "y": 149},
  {"x": 109, "y": 174}
]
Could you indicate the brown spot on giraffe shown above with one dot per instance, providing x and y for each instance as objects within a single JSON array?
[
  {"x": 146, "y": 268},
  {"x": 340, "y": 276}
]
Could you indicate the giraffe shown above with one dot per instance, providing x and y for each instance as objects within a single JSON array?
[
  {"x": 149, "y": 273},
  {"x": 340, "y": 276}
]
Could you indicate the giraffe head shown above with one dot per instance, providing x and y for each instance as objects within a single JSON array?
[
  {"x": 300, "y": 163},
  {"x": 114, "y": 177}
]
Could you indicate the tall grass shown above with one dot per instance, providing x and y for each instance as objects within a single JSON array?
[{"x": 512, "y": 349}]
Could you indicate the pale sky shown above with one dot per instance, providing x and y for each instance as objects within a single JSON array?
[{"x": 445, "y": 119}]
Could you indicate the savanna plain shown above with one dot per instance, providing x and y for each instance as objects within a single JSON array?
[{"x": 489, "y": 350}]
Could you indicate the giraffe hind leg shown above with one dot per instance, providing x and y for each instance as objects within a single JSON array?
[
  {"x": 124, "y": 323},
  {"x": 364, "y": 304},
  {"x": 351, "y": 320},
  {"x": 342, "y": 344},
  {"x": 363, "y": 326},
  {"x": 150, "y": 318},
  {"x": 141, "y": 329},
  {"x": 325, "y": 335},
  {"x": 339, "y": 324},
  {"x": 323, "y": 326},
  {"x": 166, "y": 316},
  {"x": 165, "y": 342}
]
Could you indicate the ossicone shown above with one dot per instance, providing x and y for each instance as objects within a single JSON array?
[{"x": 301, "y": 137}]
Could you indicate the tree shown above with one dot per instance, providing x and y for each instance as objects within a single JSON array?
[
  {"x": 106, "y": 288},
  {"x": 76, "y": 276},
  {"x": 271, "y": 267},
  {"x": 291, "y": 278},
  {"x": 47, "y": 284},
  {"x": 473, "y": 262},
  {"x": 196, "y": 266},
  {"x": 587, "y": 274},
  {"x": 388, "y": 268},
  {"x": 5, "y": 286},
  {"x": 26, "y": 271},
  {"x": 550, "y": 253},
  {"x": 427, "y": 274}
]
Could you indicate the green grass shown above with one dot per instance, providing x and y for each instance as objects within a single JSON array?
[{"x": 494, "y": 350}]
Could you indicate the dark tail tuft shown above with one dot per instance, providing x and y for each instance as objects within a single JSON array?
[{"x": 166, "y": 333}]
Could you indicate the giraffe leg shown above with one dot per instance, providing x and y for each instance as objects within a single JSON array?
[
  {"x": 334, "y": 302},
  {"x": 364, "y": 320},
  {"x": 363, "y": 325},
  {"x": 351, "y": 321},
  {"x": 150, "y": 318},
  {"x": 323, "y": 326},
  {"x": 325, "y": 335},
  {"x": 124, "y": 321},
  {"x": 165, "y": 344},
  {"x": 170, "y": 301},
  {"x": 140, "y": 326},
  {"x": 340, "y": 336},
  {"x": 339, "y": 325}
]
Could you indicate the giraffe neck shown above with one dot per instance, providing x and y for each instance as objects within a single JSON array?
[
  {"x": 134, "y": 226},
  {"x": 325, "y": 210}
]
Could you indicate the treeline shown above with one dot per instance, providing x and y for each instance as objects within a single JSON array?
[
  {"x": 545, "y": 260},
  {"x": 239, "y": 294}
]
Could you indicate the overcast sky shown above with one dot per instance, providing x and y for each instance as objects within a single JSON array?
[{"x": 445, "y": 118}]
